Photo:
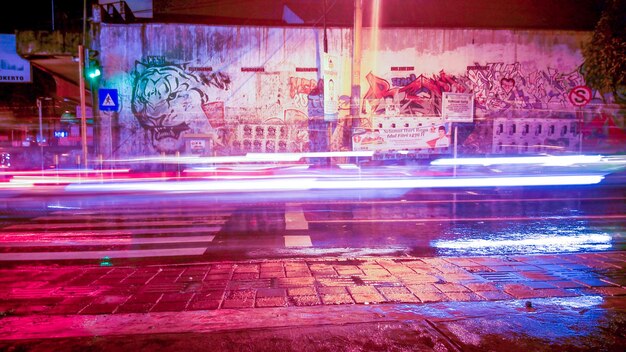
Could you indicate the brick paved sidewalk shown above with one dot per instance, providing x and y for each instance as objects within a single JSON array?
[{"x": 87, "y": 290}]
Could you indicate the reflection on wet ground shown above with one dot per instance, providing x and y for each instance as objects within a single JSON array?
[{"x": 495, "y": 221}]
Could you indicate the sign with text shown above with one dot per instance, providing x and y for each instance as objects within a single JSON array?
[
  {"x": 13, "y": 68},
  {"x": 402, "y": 138},
  {"x": 457, "y": 107}
]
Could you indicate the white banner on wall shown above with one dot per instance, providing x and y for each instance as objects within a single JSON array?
[
  {"x": 457, "y": 107},
  {"x": 13, "y": 68},
  {"x": 402, "y": 138},
  {"x": 331, "y": 86}
]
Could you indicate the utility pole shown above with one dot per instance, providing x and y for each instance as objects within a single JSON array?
[
  {"x": 355, "y": 99},
  {"x": 81, "y": 77},
  {"x": 83, "y": 108}
]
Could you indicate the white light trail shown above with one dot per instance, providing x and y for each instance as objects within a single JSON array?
[{"x": 561, "y": 160}]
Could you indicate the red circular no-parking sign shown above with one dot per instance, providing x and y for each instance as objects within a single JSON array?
[{"x": 580, "y": 95}]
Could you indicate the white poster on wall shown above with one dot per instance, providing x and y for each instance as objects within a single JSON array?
[
  {"x": 331, "y": 86},
  {"x": 13, "y": 68},
  {"x": 457, "y": 107}
]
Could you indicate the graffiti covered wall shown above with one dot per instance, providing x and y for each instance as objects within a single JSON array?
[{"x": 260, "y": 89}]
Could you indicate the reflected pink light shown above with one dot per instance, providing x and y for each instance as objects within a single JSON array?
[{"x": 310, "y": 183}]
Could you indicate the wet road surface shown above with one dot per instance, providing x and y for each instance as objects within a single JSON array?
[{"x": 191, "y": 228}]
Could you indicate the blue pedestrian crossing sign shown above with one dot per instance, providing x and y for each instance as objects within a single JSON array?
[{"x": 108, "y": 99}]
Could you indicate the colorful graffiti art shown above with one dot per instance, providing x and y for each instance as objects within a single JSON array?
[
  {"x": 170, "y": 102},
  {"x": 497, "y": 87}
]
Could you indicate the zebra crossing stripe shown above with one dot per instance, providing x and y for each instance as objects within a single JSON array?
[
  {"x": 294, "y": 218},
  {"x": 298, "y": 241}
]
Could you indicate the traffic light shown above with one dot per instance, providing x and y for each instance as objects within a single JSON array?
[{"x": 94, "y": 69}]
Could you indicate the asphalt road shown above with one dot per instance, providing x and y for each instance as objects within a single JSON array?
[{"x": 163, "y": 228}]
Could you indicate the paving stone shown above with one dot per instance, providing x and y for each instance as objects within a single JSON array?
[
  {"x": 348, "y": 270},
  {"x": 522, "y": 291},
  {"x": 249, "y": 284},
  {"x": 594, "y": 282},
  {"x": 423, "y": 288},
  {"x": 296, "y": 265},
  {"x": 216, "y": 284},
  {"x": 145, "y": 298},
  {"x": 300, "y": 273},
  {"x": 239, "y": 299},
  {"x": 272, "y": 274},
  {"x": 134, "y": 308},
  {"x": 190, "y": 278},
  {"x": 214, "y": 277},
  {"x": 246, "y": 268},
  {"x": 337, "y": 299},
  {"x": 163, "y": 287},
  {"x": 332, "y": 290},
  {"x": 171, "y": 306},
  {"x": 365, "y": 294},
  {"x": 539, "y": 284},
  {"x": 176, "y": 297},
  {"x": 398, "y": 294},
  {"x": 611, "y": 291},
  {"x": 271, "y": 301},
  {"x": 339, "y": 281},
  {"x": 245, "y": 276},
  {"x": 100, "y": 308},
  {"x": 428, "y": 297},
  {"x": 301, "y": 291},
  {"x": 451, "y": 287},
  {"x": 478, "y": 269},
  {"x": 210, "y": 295},
  {"x": 538, "y": 275},
  {"x": 108, "y": 299},
  {"x": 271, "y": 292},
  {"x": 376, "y": 272},
  {"x": 460, "y": 277},
  {"x": 304, "y": 300},
  {"x": 481, "y": 286},
  {"x": 208, "y": 304},
  {"x": 221, "y": 269},
  {"x": 500, "y": 276},
  {"x": 493, "y": 295},
  {"x": 412, "y": 279},
  {"x": 295, "y": 281},
  {"x": 272, "y": 266},
  {"x": 503, "y": 268},
  {"x": 567, "y": 284},
  {"x": 463, "y": 296}
]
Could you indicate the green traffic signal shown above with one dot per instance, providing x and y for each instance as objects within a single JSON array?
[
  {"x": 93, "y": 69},
  {"x": 93, "y": 72}
]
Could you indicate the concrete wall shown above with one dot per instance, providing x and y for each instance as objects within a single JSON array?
[{"x": 246, "y": 89}]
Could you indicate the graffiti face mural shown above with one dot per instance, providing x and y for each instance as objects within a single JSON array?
[{"x": 169, "y": 102}]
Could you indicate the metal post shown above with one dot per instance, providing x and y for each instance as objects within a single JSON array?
[
  {"x": 40, "y": 137},
  {"x": 456, "y": 130},
  {"x": 83, "y": 108},
  {"x": 356, "y": 60}
]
